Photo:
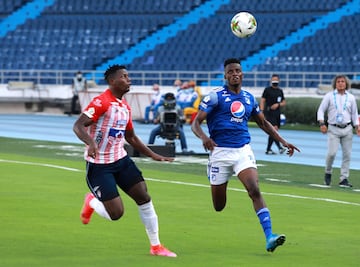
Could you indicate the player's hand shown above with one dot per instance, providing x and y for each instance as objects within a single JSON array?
[
  {"x": 158, "y": 157},
  {"x": 208, "y": 144},
  {"x": 92, "y": 151},
  {"x": 291, "y": 149}
]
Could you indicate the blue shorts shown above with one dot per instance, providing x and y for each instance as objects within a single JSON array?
[{"x": 103, "y": 179}]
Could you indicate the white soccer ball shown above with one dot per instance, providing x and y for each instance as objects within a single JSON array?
[{"x": 243, "y": 24}]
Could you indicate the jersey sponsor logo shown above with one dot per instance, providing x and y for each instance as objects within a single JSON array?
[
  {"x": 237, "y": 109},
  {"x": 227, "y": 99},
  {"x": 116, "y": 133}
]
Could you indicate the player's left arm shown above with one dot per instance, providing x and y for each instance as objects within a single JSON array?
[
  {"x": 266, "y": 126},
  {"x": 138, "y": 145}
]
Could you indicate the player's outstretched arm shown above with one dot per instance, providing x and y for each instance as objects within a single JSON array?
[
  {"x": 267, "y": 127},
  {"x": 138, "y": 145}
]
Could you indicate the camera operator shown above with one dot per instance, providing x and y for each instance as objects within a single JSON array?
[{"x": 170, "y": 119}]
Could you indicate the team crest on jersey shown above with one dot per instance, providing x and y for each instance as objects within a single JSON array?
[{"x": 237, "y": 109}]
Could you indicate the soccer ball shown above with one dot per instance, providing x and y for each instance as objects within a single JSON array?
[{"x": 243, "y": 24}]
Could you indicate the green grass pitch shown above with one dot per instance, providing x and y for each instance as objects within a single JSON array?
[{"x": 42, "y": 188}]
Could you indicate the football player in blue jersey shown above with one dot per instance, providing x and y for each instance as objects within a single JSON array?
[{"x": 227, "y": 111}]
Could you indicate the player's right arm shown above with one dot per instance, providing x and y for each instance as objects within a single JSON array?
[
  {"x": 206, "y": 106},
  {"x": 208, "y": 143},
  {"x": 80, "y": 129}
]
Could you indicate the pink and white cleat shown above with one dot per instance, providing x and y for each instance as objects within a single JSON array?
[{"x": 160, "y": 250}]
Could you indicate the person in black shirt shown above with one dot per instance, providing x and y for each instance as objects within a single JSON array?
[{"x": 271, "y": 102}]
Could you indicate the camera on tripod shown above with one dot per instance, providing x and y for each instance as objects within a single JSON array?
[{"x": 170, "y": 122}]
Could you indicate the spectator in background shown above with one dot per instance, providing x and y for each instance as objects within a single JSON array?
[
  {"x": 187, "y": 95},
  {"x": 177, "y": 84},
  {"x": 154, "y": 104},
  {"x": 342, "y": 115},
  {"x": 271, "y": 102},
  {"x": 78, "y": 84}
]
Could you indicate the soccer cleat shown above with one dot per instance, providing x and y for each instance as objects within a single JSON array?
[
  {"x": 327, "y": 178},
  {"x": 345, "y": 183},
  {"x": 274, "y": 241},
  {"x": 282, "y": 150},
  {"x": 86, "y": 210},
  {"x": 160, "y": 250},
  {"x": 270, "y": 152}
]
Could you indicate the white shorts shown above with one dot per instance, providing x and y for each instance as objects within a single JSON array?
[{"x": 224, "y": 162}]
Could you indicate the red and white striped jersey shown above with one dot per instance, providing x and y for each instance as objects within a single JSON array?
[{"x": 111, "y": 117}]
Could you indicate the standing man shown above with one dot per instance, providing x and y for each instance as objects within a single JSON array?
[
  {"x": 104, "y": 126},
  {"x": 78, "y": 84},
  {"x": 271, "y": 102},
  {"x": 342, "y": 115},
  {"x": 227, "y": 111}
]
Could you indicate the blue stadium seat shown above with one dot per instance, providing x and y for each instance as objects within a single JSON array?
[{"x": 85, "y": 33}]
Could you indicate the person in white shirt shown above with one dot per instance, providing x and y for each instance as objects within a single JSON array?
[{"x": 342, "y": 115}]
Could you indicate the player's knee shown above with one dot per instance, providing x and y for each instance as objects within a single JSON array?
[
  {"x": 254, "y": 193},
  {"x": 116, "y": 215}
]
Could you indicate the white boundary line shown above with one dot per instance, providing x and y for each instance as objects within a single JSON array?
[
  {"x": 264, "y": 193},
  {"x": 190, "y": 184},
  {"x": 41, "y": 164}
]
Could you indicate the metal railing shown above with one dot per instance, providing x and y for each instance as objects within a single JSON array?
[{"x": 251, "y": 79}]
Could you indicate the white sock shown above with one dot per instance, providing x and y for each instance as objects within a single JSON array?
[
  {"x": 150, "y": 220},
  {"x": 99, "y": 208}
]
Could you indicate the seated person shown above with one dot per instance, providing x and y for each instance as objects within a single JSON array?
[
  {"x": 187, "y": 95},
  {"x": 175, "y": 130},
  {"x": 154, "y": 104},
  {"x": 190, "y": 112}
]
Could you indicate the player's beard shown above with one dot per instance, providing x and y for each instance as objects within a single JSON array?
[{"x": 235, "y": 82}]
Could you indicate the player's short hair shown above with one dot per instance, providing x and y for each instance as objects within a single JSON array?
[
  {"x": 347, "y": 81},
  {"x": 111, "y": 70},
  {"x": 230, "y": 61}
]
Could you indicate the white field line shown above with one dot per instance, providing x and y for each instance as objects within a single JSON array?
[
  {"x": 41, "y": 164},
  {"x": 190, "y": 184}
]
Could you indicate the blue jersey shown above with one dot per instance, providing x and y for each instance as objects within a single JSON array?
[{"x": 227, "y": 116}]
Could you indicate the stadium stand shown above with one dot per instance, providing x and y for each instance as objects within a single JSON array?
[{"x": 187, "y": 35}]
